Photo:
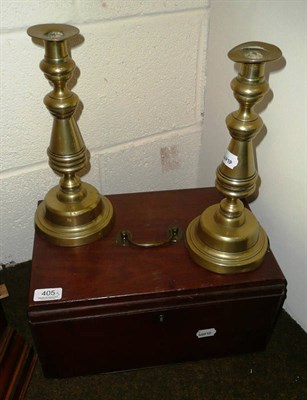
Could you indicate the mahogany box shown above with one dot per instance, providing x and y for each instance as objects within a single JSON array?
[{"x": 105, "y": 307}]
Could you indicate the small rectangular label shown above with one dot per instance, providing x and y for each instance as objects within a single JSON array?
[
  {"x": 202, "y": 333},
  {"x": 48, "y": 294}
]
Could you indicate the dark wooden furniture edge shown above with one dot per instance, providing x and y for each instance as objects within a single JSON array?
[{"x": 17, "y": 362}]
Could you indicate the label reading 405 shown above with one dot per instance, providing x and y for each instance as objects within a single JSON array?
[{"x": 47, "y": 294}]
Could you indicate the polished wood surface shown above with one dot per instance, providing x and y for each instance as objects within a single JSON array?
[{"x": 126, "y": 307}]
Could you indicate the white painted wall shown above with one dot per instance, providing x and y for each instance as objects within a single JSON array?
[
  {"x": 144, "y": 68},
  {"x": 281, "y": 151}
]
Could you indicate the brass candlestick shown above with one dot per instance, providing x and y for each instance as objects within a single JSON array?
[
  {"x": 226, "y": 237},
  {"x": 72, "y": 213}
]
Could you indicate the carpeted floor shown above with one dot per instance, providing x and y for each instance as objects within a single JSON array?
[{"x": 280, "y": 372}]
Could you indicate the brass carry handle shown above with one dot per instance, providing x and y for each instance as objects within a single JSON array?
[{"x": 124, "y": 238}]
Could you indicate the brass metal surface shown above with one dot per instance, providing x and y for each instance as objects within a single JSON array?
[
  {"x": 226, "y": 237},
  {"x": 72, "y": 213},
  {"x": 174, "y": 235}
]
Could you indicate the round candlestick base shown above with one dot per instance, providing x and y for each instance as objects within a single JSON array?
[
  {"x": 223, "y": 248},
  {"x": 76, "y": 223}
]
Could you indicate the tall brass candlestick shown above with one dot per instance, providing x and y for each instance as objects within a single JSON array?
[
  {"x": 226, "y": 237},
  {"x": 72, "y": 213}
]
